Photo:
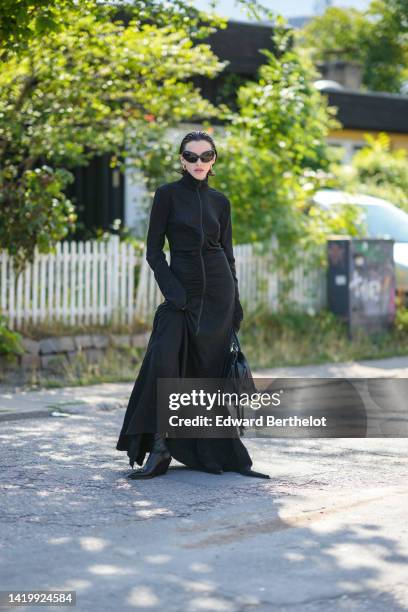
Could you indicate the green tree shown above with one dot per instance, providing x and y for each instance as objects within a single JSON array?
[
  {"x": 23, "y": 20},
  {"x": 386, "y": 45},
  {"x": 275, "y": 154},
  {"x": 377, "y": 38},
  {"x": 93, "y": 86},
  {"x": 334, "y": 35}
]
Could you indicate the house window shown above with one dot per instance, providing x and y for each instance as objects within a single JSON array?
[{"x": 350, "y": 147}]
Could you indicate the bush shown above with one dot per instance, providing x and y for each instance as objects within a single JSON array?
[
  {"x": 10, "y": 341},
  {"x": 377, "y": 170}
]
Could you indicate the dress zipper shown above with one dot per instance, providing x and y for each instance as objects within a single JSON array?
[{"x": 202, "y": 263}]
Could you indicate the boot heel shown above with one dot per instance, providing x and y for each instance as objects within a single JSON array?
[
  {"x": 149, "y": 470},
  {"x": 162, "y": 467}
]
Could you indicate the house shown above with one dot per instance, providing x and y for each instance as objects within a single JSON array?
[{"x": 368, "y": 113}]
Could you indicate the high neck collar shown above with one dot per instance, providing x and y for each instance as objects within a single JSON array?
[{"x": 194, "y": 183}]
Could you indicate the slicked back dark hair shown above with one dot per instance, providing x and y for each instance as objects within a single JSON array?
[{"x": 197, "y": 135}]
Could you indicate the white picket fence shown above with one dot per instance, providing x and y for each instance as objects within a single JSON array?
[
  {"x": 93, "y": 282},
  {"x": 89, "y": 282},
  {"x": 259, "y": 281}
]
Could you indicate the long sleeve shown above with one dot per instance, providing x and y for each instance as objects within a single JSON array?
[
  {"x": 170, "y": 286},
  {"x": 226, "y": 243}
]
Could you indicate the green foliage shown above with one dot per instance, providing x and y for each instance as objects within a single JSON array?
[
  {"x": 227, "y": 89},
  {"x": 274, "y": 154},
  {"x": 386, "y": 45},
  {"x": 88, "y": 87},
  {"x": 298, "y": 338},
  {"x": 376, "y": 38},
  {"x": 23, "y": 20},
  {"x": 334, "y": 35},
  {"x": 401, "y": 322},
  {"x": 10, "y": 341},
  {"x": 377, "y": 170},
  {"x": 35, "y": 211}
]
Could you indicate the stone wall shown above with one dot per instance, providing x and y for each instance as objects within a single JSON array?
[{"x": 54, "y": 353}]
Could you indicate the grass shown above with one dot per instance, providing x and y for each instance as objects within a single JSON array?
[
  {"x": 117, "y": 365},
  {"x": 293, "y": 339},
  {"x": 37, "y": 331}
]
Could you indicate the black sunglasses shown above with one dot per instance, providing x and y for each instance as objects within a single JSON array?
[{"x": 205, "y": 157}]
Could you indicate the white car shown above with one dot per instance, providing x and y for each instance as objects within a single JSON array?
[{"x": 383, "y": 220}]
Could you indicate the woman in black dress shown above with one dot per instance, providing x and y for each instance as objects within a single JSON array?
[{"x": 192, "y": 327}]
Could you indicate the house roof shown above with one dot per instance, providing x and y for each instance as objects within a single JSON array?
[
  {"x": 240, "y": 43},
  {"x": 374, "y": 110}
]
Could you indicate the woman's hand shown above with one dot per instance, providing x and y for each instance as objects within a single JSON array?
[{"x": 174, "y": 306}]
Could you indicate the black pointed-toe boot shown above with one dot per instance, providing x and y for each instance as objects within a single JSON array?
[{"x": 158, "y": 461}]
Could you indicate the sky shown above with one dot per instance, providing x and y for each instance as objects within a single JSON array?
[{"x": 287, "y": 8}]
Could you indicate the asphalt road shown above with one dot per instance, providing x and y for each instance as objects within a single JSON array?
[{"x": 327, "y": 532}]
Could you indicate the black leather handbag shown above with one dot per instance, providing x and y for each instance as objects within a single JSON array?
[{"x": 237, "y": 375}]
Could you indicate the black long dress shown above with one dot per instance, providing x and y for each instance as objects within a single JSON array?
[{"x": 191, "y": 328}]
